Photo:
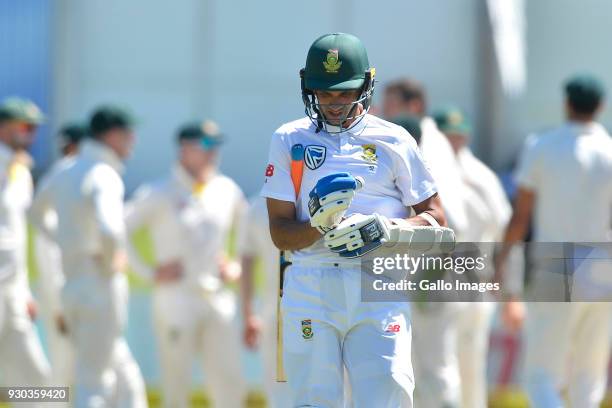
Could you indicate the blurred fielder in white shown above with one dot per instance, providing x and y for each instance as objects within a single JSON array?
[
  {"x": 255, "y": 244},
  {"x": 488, "y": 211},
  {"x": 190, "y": 214},
  {"x": 23, "y": 362},
  {"x": 437, "y": 381},
  {"x": 87, "y": 197},
  {"x": 564, "y": 181},
  {"x": 49, "y": 263}
]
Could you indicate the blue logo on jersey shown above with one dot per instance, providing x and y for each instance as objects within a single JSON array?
[{"x": 314, "y": 156}]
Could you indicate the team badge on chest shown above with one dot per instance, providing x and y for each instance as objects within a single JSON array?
[
  {"x": 314, "y": 156},
  {"x": 307, "y": 329},
  {"x": 369, "y": 153}
]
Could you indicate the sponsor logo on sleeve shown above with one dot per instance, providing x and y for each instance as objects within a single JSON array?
[{"x": 270, "y": 170}]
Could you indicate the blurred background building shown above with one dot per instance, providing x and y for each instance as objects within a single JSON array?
[{"x": 237, "y": 62}]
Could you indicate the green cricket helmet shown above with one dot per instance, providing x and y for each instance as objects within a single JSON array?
[
  {"x": 337, "y": 62},
  {"x": 21, "y": 109}
]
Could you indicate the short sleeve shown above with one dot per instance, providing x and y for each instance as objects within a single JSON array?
[
  {"x": 254, "y": 230},
  {"x": 413, "y": 178},
  {"x": 247, "y": 235},
  {"x": 527, "y": 171},
  {"x": 143, "y": 207},
  {"x": 278, "y": 184}
]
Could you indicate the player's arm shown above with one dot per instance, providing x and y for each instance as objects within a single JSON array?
[
  {"x": 431, "y": 207},
  {"x": 106, "y": 190},
  {"x": 513, "y": 311},
  {"x": 41, "y": 204},
  {"x": 139, "y": 212},
  {"x": 286, "y": 231},
  {"x": 230, "y": 267},
  {"x": 252, "y": 323},
  {"x": 517, "y": 228}
]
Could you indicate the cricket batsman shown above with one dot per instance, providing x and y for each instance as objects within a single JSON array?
[
  {"x": 190, "y": 214},
  {"x": 87, "y": 197},
  {"x": 22, "y": 360},
  {"x": 316, "y": 165}
]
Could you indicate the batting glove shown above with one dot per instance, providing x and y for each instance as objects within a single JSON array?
[
  {"x": 358, "y": 234},
  {"x": 330, "y": 198}
]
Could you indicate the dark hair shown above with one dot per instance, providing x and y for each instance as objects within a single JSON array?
[
  {"x": 584, "y": 94},
  {"x": 107, "y": 118},
  {"x": 5, "y": 117},
  {"x": 407, "y": 89},
  {"x": 73, "y": 133},
  {"x": 583, "y": 106}
]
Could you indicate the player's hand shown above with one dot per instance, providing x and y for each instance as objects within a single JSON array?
[
  {"x": 513, "y": 315},
  {"x": 120, "y": 261},
  {"x": 169, "y": 272},
  {"x": 32, "y": 309},
  {"x": 357, "y": 235},
  {"x": 60, "y": 324},
  {"x": 330, "y": 198},
  {"x": 499, "y": 269},
  {"x": 117, "y": 263},
  {"x": 229, "y": 270},
  {"x": 252, "y": 331}
]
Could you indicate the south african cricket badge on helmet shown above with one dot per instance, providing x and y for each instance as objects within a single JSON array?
[
  {"x": 332, "y": 62},
  {"x": 307, "y": 329}
]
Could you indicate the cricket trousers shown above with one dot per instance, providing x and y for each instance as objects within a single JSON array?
[
  {"x": 191, "y": 323},
  {"x": 567, "y": 348},
  {"x": 450, "y": 347},
  {"x": 22, "y": 360},
  {"x": 327, "y": 328},
  {"x": 95, "y": 305},
  {"x": 60, "y": 353}
]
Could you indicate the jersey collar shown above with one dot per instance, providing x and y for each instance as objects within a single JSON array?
[
  {"x": 186, "y": 181},
  {"x": 6, "y": 154},
  {"x": 582, "y": 128},
  {"x": 99, "y": 151},
  {"x": 355, "y": 130}
]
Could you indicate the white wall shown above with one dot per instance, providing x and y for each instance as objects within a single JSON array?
[
  {"x": 563, "y": 37},
  {"x": 237, "y": 62}
]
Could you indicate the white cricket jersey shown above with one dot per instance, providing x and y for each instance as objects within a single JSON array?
[
  {"x": 570, "y": 171},
  {"x": 186, "y": 225},
  {"x": 488, "y": 208},
  {"x": 254, "y": 240},
  {"x": 47, "y": 253},
  {"x": 441, "y": 161},
  {"x": 87, "y": 197},
  {"x": 15, "y": 198},
  {"x": 384, "y": 154}
]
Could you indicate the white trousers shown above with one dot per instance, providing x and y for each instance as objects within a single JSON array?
[
  {"x": 473, "y": 331},
  {"x": 61, "y": 353},
  {"x": 451, "y": 342},
  {"x": 567, "y": 347},
  {"x": 95, "y": 305},
  {"x": 326, "y": 328},
  {"x": 436, "y": 365},
  {"x": 22, "y": 360},
  {"x": 188, "y": 323}
]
